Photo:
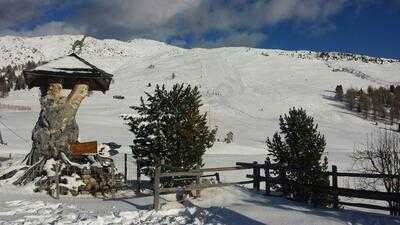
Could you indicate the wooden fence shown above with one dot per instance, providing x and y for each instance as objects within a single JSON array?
[
  {"x": 256, "y": 178},
  {"x": 196, "y": 175},
  {"x": 333, "y": 189},
  {"x": 15, "y": 107},
  {"x": 268, "y": 169}
]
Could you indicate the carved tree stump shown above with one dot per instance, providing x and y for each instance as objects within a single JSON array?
[
  {"x": 52, "y": 135},
  {"x": 56, "y": 127}
]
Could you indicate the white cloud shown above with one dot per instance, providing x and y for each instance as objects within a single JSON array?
[
  {"x": 54, "y": 28},
  {"x": 14, "y": 12},
  {"x": 242, "y": 21},
  {"x": 236, "y": 39}
]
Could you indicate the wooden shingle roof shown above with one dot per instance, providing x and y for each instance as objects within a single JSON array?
[{"x": 69, "y": 70}]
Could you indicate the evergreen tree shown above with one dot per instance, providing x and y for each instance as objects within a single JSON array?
[
  {"x": 364, "y": 103},
  {"x": 397, "y": 90},
  {"x": 299, "y": 144},
  {"x": 359, "y": 94},
  {"x": 171, "y": 128},
  {"x": 378, "y": 107},
  {"x": 395, "y": 109},
  {"x": 351, "y": 98},
  {"x": 370, "y": 91},
  {"x": 339, "y": 92}
]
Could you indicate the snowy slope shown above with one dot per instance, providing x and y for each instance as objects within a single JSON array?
[
  {"x": 228, "y": 205},
  {"x": 244, "y": 89}
]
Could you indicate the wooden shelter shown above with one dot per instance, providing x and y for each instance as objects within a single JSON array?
[{"x": 68, "y": 70}]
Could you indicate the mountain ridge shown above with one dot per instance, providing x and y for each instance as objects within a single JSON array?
[{"x": 17, "y": 50}]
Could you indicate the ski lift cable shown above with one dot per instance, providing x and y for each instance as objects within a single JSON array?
[{"x": 13, "y": 132}]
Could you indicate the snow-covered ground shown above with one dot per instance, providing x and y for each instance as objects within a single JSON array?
[
  {"x": 229, "y": 205},
  {"x": 244, "y": 91}
]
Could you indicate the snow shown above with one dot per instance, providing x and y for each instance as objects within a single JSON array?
[
  {"x": 244, "y": 92},
  {"x": 62, "y": 63},
  {"x": 49, "y": 167},
  {"x": 228, "y": 205},
  {"x": 73, "y": 182}
]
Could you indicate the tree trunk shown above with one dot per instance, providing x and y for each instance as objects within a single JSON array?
[
  {"x": 56, "y": 127},
  {"x": 52, "y": 135}
]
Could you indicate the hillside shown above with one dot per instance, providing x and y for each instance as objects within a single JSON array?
[{"x": 244, "y": 89}]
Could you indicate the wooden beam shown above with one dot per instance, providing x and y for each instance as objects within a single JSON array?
[
  {"x": 363, "y": 205},
  {"x": 215, "y": 169},
  {"x": 261, "y": 166},
  {"x": 335, "y": 186},
  {"x": 177, "y": 174},
  {"x": 191, "y": 188}
]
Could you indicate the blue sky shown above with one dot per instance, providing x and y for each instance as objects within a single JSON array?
[{"x": 369, "y": 27}]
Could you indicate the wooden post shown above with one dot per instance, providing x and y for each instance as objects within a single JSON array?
[
  {"x": 156, "y": 187},
  {"x": 113, "y": 185},
  {"x": 138, "y": 176},
  {"x": 198, "y": 184},
  {"x": 126, "y": 168},
  {"x": 57, "y": 180},
  {"x": 335, "y": 186},
  {"x": 267, "y": 177},
  {"x": 218, "y": 178},
  {"x": 1, "y": 139},
  {"x": 256, "y": 177}
]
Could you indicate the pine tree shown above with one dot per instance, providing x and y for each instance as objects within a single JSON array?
[
  {"x": 378, "y": 105},
  {"x": 364, "y": 103},
  {"x": 351, "y": 98},
  {"x": 370, "y": 91},
  {"x": 395, "y": 109},
  {"x": 359, "y": 94},
  {"x": 339, "y": 92},
  {"x": 299, "y": 144},
  {"x": 171, "y": 128}
]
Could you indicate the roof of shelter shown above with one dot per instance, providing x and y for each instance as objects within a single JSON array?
[
  {"x": 71, "y": 64},
  {"x": 70, "y": 69}
]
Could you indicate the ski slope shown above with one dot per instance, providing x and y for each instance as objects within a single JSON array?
[{"x": 244, "y": 90}]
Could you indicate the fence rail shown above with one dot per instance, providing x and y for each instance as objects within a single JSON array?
[
  {"x": 15, "y": 107},
  {"x": 195, "y": 174},
  {"x": 333, "y": 189},
  {"x": 277, "y": 174}
]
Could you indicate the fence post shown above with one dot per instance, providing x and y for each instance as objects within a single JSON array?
[
  {"x": 126, "y": 168},
  {"x": 57, "y": 180},
  {"x": 156, "y": 187},
  {"x": 335, "y": 186},
  {"x": 138, "y": 176},
  {"x": 256, "y": 177},
  {"x": 113, "y": 185},
  {"x": 267, "y": 177},
  {"x": 217, "y": 177},
  {"x": 198, "y": 184}
]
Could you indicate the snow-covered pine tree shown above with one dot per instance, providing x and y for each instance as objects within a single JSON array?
[
  {"x": 299, "y": 144},
  {"x": 170, "y": 127}
]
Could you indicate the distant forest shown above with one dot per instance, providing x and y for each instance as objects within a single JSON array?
[
  {"x": 381, "y": 103},
  {"x": 11, "y": 80}
]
